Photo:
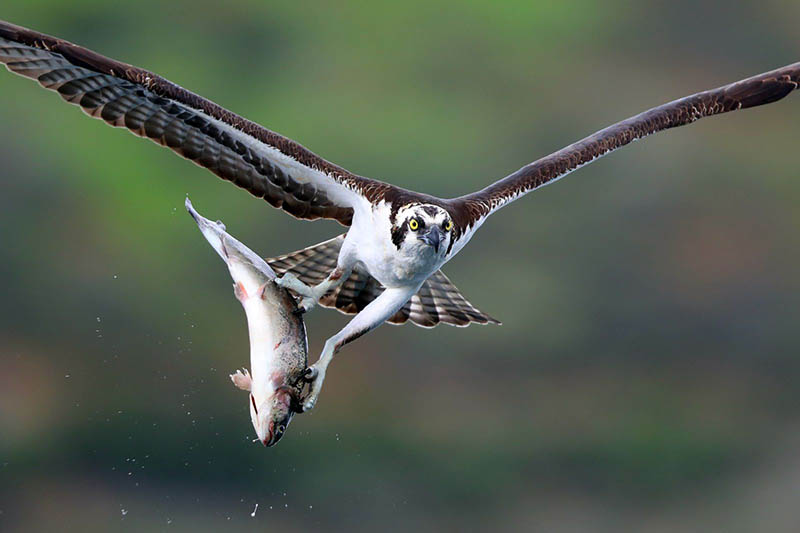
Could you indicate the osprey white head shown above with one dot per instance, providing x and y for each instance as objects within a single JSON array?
[{"x": 423, "y": 228}]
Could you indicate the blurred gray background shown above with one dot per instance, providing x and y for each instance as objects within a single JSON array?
[{"x": 645, "y": 373}]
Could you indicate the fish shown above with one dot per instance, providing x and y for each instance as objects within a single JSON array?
[{"x": 278, "y": 339}]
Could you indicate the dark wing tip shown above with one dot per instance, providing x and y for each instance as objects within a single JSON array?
[{"x": 761, "y": 90}]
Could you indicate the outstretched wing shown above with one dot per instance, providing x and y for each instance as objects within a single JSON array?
[
  {"x": 437, "y": 301},
  {"x": 268, "y": 165},
  {"x": 758, "y": 90}
]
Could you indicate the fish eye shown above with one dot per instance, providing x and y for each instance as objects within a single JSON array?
[
  {"x": 413, "y": 224},
  {"x": 448, "y": 225}
]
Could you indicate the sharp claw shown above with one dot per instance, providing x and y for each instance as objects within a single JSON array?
[
  {"x": 297, "y": 404},
  {"x": 308, "y": 303},
  {"x": 316, "y": 376},
  {"x": 300, "y": 311}
]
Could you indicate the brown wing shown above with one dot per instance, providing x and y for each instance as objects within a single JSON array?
[
  {"x": 758, "y": 90},
  {"x": 437, "y": 301},
  {"x": 270, "y": 166}
]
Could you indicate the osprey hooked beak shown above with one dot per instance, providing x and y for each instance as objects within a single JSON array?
[{"x": 433, "y": 237}]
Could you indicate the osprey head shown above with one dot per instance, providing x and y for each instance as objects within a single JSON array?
[{"x": 423, "y": 227}]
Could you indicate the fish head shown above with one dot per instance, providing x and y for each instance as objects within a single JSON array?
[{"x": 271, "y": 416}]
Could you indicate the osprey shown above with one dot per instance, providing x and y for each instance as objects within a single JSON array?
[{"x": 386, "y": 267}]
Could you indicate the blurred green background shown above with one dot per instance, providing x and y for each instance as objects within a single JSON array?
[{"x": 645, "y": 374}]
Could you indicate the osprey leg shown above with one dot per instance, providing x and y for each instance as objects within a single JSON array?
[
  {"x": 372, "y": 316},
  {"x": 311, "y": 295}
]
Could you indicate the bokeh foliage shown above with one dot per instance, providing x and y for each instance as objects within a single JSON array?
[{"x": 645, "y": 372}]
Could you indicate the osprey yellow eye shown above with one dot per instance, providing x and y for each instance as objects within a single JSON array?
[
  {"x": 448, "y": 225},
  {"x": 413, "y": 224}
]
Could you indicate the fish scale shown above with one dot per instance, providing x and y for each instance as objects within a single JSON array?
[{"x": 278, "y": 342}]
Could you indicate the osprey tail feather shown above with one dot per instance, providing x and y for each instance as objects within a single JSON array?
[{"x": 438, "y": 301}]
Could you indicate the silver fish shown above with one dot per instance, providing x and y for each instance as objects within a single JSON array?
[{"x": 278, "y": 343}]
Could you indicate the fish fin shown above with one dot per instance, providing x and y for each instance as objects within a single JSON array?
[
  {"x": 260, "y": 290},
  {"x": 242, "y": 380},
  {"x": 240, "y": 292}
]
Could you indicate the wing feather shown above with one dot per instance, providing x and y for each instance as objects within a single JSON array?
[
  {"x": 266, "y": 164},
  {"x": 757, "y": 90},
  {"x": 438, "y": 301}
]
